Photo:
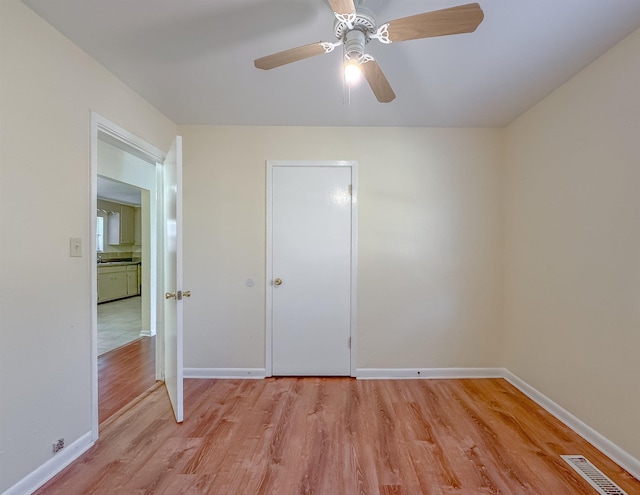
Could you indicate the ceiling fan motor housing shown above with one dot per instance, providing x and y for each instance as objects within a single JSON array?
[
  {"x": 358, "y": 33},
  {"x": 354, "y": 45}
]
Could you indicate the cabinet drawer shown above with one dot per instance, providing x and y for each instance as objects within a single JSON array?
[{"x": 111, "y": 269}]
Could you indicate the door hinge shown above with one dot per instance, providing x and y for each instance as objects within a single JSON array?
[
  {"x": 349, "y": 342},
  {"x": 350, "y": 190}
]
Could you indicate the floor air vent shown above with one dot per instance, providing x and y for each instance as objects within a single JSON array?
[{"x": 593, "y": 475}]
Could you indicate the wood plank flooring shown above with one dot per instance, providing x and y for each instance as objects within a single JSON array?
[
  {"x": 337, "y": 436},
  {"x": 125, "y": 373}
]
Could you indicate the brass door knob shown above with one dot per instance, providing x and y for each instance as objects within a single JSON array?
[
  {"x": 186, "y": 293},
  {"x": 170, "y": 295},
  {"x": 277, "y": 281}
]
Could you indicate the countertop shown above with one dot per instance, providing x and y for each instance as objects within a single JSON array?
[{"x": 117, "y": 263}]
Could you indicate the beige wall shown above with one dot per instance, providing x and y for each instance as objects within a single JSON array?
[
  {"x": 573, "y": 246},
  {"x": 430, "y": 241},
  {"x": 48, "y": 88},
  {"x": 437, "y": 269}
]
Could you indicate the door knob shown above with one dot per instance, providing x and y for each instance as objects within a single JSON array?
[
  {"x": 170, "y": 295},
  {"x": 186, "y": 293},
  {"x": 277, "y": 281}
]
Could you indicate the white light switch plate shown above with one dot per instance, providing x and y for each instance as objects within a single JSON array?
[{"x": 75, "y": 247}]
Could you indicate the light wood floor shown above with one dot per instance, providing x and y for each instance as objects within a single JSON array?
[
  {"x": 124, "y": 374},
  {"x": 336, "y": 437}
]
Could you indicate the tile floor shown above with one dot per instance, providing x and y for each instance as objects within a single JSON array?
[{"x": 119, "y": 322}]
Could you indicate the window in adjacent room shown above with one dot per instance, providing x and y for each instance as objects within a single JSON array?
[{"x": 100, "y": 234}]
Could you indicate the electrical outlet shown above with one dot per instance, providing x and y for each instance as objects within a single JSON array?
[{"x": 58, "y": 446}]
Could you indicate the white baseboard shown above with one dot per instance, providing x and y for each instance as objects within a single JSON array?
[
  {"x": 146, "y": 333},
  {"x": 250, "y": 373},
  {"x": 53, "y": 466},
  {"x": 610, "y": 449},
  {"x": 418, "y": 373}
]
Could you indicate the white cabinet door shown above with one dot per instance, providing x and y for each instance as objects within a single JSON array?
[
  {"x": 127, "y": 225},
  {"x": 112, "y": 283},
  {"x": 132, "y": 280},
  {"x": 121, "y": 226},
  {"x": 138, "y": 227},
  {"x": 113, "y": 228}
]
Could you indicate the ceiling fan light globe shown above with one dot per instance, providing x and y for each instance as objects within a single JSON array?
[{"x": 352, "y": 71}]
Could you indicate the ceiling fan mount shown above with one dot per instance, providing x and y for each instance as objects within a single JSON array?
[
  {"x": 355, "y": 32},
  {"x": 364, "y": 20},
  {"x": 355, "y": 26}
]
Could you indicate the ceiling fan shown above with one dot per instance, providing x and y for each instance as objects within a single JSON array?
[{"x": 355, "y": 26}]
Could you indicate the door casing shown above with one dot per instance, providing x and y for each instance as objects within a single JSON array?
[
  {"x": 271, "y": 164},
  {"x": 101, "y": 124}
]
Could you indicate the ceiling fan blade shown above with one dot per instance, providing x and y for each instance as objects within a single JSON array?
[
  {"x": 342, "y": 7},
  {"x": 455, "y": 20},
  {"x": 291, "y": 55},
  {"x": 378, "y": 81}
]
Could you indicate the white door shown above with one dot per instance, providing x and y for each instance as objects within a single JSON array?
[
  {"x": 172, "y": 274},
  {"x": 311, "y": 269}
]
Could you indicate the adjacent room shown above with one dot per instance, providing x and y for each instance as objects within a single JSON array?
[{"x": 425, "y": 279}]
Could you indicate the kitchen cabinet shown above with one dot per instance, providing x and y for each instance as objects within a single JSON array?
[
  {"x": 112, "y": 282},
  {"x": 132, "y": 280},
  {"x": 121, "y": 226},
  {"x": 138, "y": 227},
  {"x": 116, "y": 282}
]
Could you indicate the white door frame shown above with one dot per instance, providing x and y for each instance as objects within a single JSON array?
[
  {"x": 271, "y": 164},
  {"x": 101, "y": 124}
]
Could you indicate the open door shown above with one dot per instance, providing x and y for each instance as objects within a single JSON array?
[{"x": 173, "y": 300}]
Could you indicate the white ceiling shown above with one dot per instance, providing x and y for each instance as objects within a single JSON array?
[
  {"x": 119, "y": 192},
  {"x": 193, "y": 59}
]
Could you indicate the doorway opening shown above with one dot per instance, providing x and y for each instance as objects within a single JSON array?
[
  {"x": 121, "y": 158},
  {"x": 126, "y": 331}
]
